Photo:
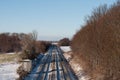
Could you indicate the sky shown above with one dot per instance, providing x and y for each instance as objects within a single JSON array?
[{"x": 52, "y": 19}]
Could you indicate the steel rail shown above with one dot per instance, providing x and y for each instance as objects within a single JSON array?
[
  {"x": 46, "y": 76},
  {"x": 62, "y": 65},
  {"x": 58, "y": 71},
  {"x": 31, "y": 75},
  {"x": 43, "y": 67},
  {"x": 66, "y": 65},
  {"x": 62, "y": 71}
]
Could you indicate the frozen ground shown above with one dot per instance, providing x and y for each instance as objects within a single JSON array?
[{"x": 8, "y": 71}]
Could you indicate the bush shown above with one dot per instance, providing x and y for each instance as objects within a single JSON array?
[
  {"x": 42, "y": 46},
  {"x": 97, "y": 45},
  {"x": 28, "y": 46},
  {"x": 31, "y": 48},
  {"x": 64, "y": 42},
  {"x": 21, "y": 73}
]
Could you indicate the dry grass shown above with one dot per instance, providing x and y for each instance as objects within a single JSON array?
[{"x": 8, "y": 58}]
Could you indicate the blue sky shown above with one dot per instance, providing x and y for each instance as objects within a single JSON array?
[{"x": 52, "y": 19}]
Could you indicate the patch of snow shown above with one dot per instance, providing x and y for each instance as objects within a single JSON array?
[
  {"x": 8, "y": 71},
  {"x": 68, "y": 55},
  {"x": 66, "y": 48},
  {"x": 79, "y": 71},
  {"x": 55, "y": 43},
  {"x": 27, "y": 60},
  {"x": 75, "y": 66},
  {"x": 11, "y": 53}
]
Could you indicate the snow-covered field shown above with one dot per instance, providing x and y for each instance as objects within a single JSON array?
[
  {"x": 8, "y": 66},
  {"x": 8, "y": 71}
]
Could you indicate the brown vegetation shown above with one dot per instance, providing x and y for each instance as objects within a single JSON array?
[
  {"x": 22, "y": 73},
  {"x": 64, "y": 42},
  {"x": 31, "y": 48},
  {"x": 97, "y": 45},
  {"x": 9, "y": 43},
  {"x": 42, "y": 46}
]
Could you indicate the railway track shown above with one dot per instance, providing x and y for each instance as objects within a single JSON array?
[{"x": 51, "y": 66}]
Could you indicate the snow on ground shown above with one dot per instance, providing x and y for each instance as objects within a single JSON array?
[
  {"x": 74, "y": 65},
  {"x": 13, "y": 53},
  {"x": 8, "y": 71},
  {"x": 78, "y": 70},
  {"x": 66, "y": 48},
  {"x": 10, "y": 53}
]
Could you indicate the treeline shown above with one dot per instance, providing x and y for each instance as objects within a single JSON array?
[
  {"x": 96, "y": 46},
  {"x": 9, "y": 43},
  {"x": 64, "y": 42},
  {"x": 15, "y": 42}
]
